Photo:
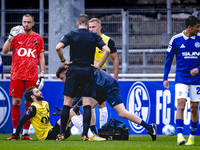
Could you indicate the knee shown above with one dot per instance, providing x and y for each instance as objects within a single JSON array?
[
  {"x": 17, "y": 101},
  {"x": 180, "y": 108},
  {"x": 122, "y": 115}
]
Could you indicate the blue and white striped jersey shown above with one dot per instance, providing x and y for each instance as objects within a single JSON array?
[{"x": 187, "y": 51}]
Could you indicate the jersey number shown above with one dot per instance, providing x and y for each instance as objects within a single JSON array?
[{"x": 198, "y": 90}]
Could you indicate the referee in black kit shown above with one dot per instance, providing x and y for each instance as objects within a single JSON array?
[{"x": 80, "y": 73}]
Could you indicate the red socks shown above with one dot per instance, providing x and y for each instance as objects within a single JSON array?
[{"x": 15, "y": 115}]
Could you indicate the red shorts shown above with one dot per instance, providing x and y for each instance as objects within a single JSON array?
[{"x": 17, "y": 87}]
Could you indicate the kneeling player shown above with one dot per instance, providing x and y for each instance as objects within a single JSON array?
[{"x": 107, "y": 88}]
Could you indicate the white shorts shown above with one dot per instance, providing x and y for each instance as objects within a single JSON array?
[{"x": 182, "y": 90}]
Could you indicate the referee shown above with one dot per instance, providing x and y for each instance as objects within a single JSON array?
[{"x": 80, "y": 73}]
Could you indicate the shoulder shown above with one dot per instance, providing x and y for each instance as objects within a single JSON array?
[
  {"x": 176, "y": 37},
  {"x": 31, "y": 110}
]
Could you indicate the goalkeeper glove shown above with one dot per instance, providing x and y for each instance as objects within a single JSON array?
[
  {"x": 58, "y": 113},
  {"x": 76, "y": 109},
  {"x": 41, "y": 81},
  {"x": 15, "y": 31}
]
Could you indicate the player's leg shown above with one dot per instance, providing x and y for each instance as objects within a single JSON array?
[
  {"x": 25, "y": 135},
  {"x": 16, "y": 92},
  {"x": 86, "y": 116},
  {"x": 123, "y": 113},
  {"x": 92, "y": 122},
  {"x": 194, "y": 105},
  {"x": 54, "y": 132},
  {"x": 77, "y": 120},
  {"x": 65, "y": 116},
  {"x": 193, "y": 122},
  {"x": 103, "y": 114},
  {"x": 181, "y": 93}
]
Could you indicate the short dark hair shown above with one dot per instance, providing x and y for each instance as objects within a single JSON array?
[
  {"x": 60, "y": 70},
  {"x": 83, "y": 19},
  {"x": 28, "y": 94},
  {"x": 28, "y": 15},
  {"x": 192, "y": 21}
]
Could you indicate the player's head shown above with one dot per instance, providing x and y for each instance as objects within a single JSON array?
[
  {"x": 28, "y": 22},
  {"x": 32, "y": 94},
  {"x": 95, "y": 25},
  {"x": 60, "y": 73},
  {"x": 83, "y": 19},
  {"x": 193, "y": 25}
]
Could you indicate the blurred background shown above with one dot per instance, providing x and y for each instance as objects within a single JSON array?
[{"x": 141, "y": 29}]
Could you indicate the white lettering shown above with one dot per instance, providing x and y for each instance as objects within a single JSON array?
[
  {"x": 138, "y": 104},
  {"x": 31, "y": 52},
  {"x": 166, "y": 111},
  {"x": 24, "y": 52},
  {"x": 158, "y": 105}
]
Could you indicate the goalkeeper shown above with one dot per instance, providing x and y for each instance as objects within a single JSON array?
[{"x": 27, "y": 51}]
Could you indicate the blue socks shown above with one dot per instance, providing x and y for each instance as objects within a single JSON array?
[
  {"x": 146, "y": 125},
  {"x": 193, "y": 127},
  {"x": 179, "y": 125}
]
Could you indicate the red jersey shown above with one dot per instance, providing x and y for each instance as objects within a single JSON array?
[{"x": 26, "y": 50}]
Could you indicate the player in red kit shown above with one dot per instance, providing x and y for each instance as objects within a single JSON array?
[{"x": 28, "y": 50}]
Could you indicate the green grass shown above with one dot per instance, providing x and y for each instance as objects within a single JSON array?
[{"x": 138, "y": 142}]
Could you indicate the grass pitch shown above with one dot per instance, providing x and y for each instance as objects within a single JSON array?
[{"x": 138, "y": 142}]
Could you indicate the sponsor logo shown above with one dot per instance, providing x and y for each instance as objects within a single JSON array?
[
  {"x": 24, "y": 52},
  {"x": 190, "y": 55},
  {"x": 5, "y": 107},
  {"x": 138, "y": 102}
]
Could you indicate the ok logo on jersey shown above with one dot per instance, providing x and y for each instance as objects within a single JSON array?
[
  {"x": 138, "y": 102},
  {"x": 24, "y": 52}
]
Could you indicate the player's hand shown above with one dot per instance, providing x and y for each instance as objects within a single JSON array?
[
  {"x": 58, "y": 113},
  {"x": 194, "y": 71},
  {"x": 166, "y": 84},
  {"x": 96, "y": 67},
  {"x": 15, "y": 31},
  {"x": 40, "y": 81},
  {"x": 76, "y": 109},
  {"x": 66, "y": 64}
]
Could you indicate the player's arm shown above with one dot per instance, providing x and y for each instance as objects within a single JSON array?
[
  {"x": 13, "y": 32},
  {"x": 59, "y": 50},
  {"x": 6, "y": 47},
  {"x": 114, "y": 56},
  {"x": 29, "y": 114}
]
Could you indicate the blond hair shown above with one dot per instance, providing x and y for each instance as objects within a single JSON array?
[{"x": 95, "y": 20}]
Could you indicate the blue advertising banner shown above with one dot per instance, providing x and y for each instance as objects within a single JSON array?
[{"x": 147, "y": 99}]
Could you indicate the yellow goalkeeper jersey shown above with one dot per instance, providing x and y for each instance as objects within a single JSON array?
[
  {"x": 98, "y": 52},
  {"x": 40, "y": 121}
]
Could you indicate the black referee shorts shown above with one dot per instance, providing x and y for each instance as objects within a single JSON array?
[{"x": 80, "y": 77}]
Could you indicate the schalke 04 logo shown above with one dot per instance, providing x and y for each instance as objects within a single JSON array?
[
  {"x": 138, "y": 102},
  {"x": 4, "y": 107}
]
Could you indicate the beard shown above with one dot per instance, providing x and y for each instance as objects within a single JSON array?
[
  {"x": 27, "y": 30},
  {"x": 39, "y": 98}
]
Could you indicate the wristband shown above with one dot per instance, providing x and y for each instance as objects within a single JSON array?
[{"x": 62, "y": 61}]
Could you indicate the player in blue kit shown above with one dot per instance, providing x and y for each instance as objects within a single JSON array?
[
  {"x": 186, "y": 47},
  {"x": 81, "y": 70},
  {"x": 107, "y": 89}
]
